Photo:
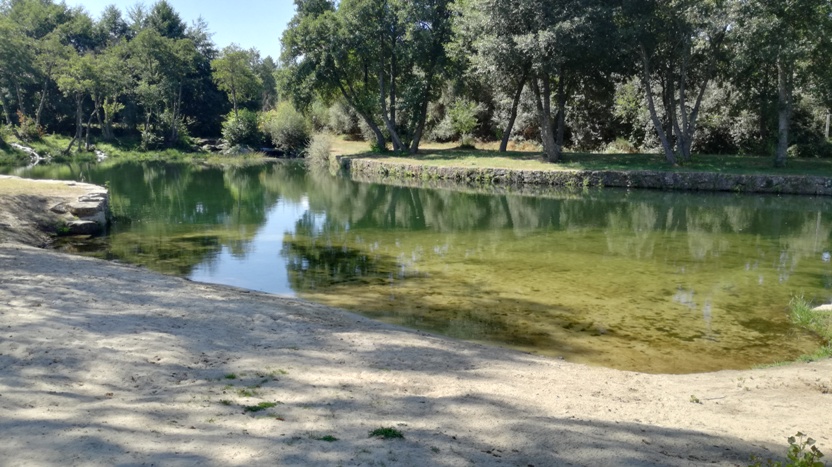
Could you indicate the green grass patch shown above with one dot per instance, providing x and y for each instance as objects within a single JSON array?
[
  {"x": 259, "y": 407},
  {"x": 327, "y": 438},
  {"x": 126, "y": 149},
  {"x": 386, "y": 433},
  {"x": 804, "y": 315},
  {"x": 525, "y": 160}
]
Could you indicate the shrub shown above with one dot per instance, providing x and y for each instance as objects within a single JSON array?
[
  {"x": 28, "y": 131},
  {"x": 319, "y": 148},
  {"x": 463, "y": 115},
  {"x": 342, "y": 120},
  {"x": 621, "y": 146},
  {"x": 287, "y": 128},
  {"x": 318, "y": 114},
  {"x": 815, "y": 149},
  {"x": 242, "y": 129},
  {"x": 443, "y": 131},
  {"x": 370, "y": 137}
]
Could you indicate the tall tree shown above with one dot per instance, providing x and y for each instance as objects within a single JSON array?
[
  {"x": 235, "y": 72},
  {"x": 789, "y": 34},
  {"x": 678, "y": 44}
]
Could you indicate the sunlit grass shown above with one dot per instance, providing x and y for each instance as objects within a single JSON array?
[
  {"x": 14, "y": 187},
  {"x": 530, "y": 157},
  {"x": 817, "y": 321}
]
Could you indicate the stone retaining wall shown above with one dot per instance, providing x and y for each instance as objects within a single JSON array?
[{"x": 694, "y": 181}]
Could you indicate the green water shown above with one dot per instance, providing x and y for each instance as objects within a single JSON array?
[{"x": 642, "y": 280}]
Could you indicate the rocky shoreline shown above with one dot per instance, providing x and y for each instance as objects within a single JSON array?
[
  {"x": 384, "y": 171},
  {"x": 34, "y": 212}
]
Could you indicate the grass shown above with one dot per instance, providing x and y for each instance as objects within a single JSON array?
[
  {"x": 259, "y": 407},
  {"x": 819, "y": 322},
  {"x": 13, "y": 187},
  {"x": 524, "y": 160},
  {"x": 386, "y": 433},
  {"x": 127, "y": 149}
]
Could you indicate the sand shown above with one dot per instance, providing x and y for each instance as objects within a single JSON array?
[{"x": 110, "y": 364}]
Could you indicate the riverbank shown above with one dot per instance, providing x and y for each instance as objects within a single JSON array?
[
  {"x": 388, "y": 170},
  {"x": 107, "y": 364}
]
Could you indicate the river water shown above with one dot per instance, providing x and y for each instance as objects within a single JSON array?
[{"x": 639, "y": 280}]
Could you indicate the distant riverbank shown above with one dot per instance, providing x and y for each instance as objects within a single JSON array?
[{"x": 388, "y": 169}]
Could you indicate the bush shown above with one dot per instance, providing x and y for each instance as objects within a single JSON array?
[
  {"x": 342, "y": 120},
  {"x": 319, "y": 149},
  {"x": 318, "y": 115},
  {"x": 621, "y": 146},
  {"x": 463, "y": 115},
  {"x": 287, "y": 128},
  {"x": 28, "y": 131},
  {"x": 816, "y": 149},
  {"x": 242, "y": 129},
  {"x": 370, "y": 137}
]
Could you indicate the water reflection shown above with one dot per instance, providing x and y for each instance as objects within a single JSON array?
[{"x": 651, "y": 281}]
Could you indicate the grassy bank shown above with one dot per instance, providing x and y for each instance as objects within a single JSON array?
[
  {"x": 815, "y": 320},
  {"x": 123, "y": 149},
  {"x": 530, "y": 160}
]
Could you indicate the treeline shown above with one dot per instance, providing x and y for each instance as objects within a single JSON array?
[
  {"x": 144, "y": 74},
  {"x": 677, "y": 76}
]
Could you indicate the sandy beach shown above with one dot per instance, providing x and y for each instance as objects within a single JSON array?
[{"x": 110, "y": 364}]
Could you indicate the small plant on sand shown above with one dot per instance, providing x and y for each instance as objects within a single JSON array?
[
  {"x": 230, "y": 376},
  {"x": 327, "y": 438},
  {"x": 259, "y": 407},
  {"x": 386, "y": 433},
  {"x": 802, "y": 453},
  {"x": 819, "y": 322}
]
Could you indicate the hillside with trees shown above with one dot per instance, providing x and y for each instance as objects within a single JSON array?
[{"x": 677, "y": 77}]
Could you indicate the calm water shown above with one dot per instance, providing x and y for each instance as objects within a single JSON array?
[{"x": 648, "y": 281}]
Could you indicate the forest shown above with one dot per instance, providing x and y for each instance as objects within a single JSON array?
[{"x": 674, "y": 77}]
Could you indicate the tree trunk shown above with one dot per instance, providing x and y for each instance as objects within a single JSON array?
[
  {"x": 6, "y": 112},
  {"x": 391, "y": 127},
  {"x": 513, "y": 117},
  {"x": 784, "y": 111},
  {"x": 43, "y": 95},
  {"x": 561, "y": 111},
  {"x": 651, "y": 104},
  {"x": 543, "y": 103},
  {"x": 423, "y": 112},
  {"x": 79, "y": 119},
  {"x": 89, "y": 124},
  {"x": 381, "y": 142}
]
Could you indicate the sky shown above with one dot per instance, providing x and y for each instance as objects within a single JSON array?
[{"x": 248, "y": 23}]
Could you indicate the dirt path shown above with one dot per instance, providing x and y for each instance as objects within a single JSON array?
[{"x": 107, "y": 364}]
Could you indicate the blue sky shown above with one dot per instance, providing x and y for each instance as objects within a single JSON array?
[{"x": 248, "y": 23}]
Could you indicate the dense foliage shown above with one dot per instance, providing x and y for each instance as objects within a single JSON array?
[
  {"x": 675, "y": 76},
  {"x": 145, "y": 76},
  {"x": 678, "y": 77}
]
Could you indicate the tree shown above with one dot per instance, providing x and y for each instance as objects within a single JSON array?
[
  {"x": 385, "y": 57},
  {"x": 235, "y": 72},
  {"x": 162, "y": 66},
  {"x": 679, "y": 45},
  {"x": 75, "y": 79},
  {"x": 16, "y": 63},
  {"x": 318, "y": 60},
  {"x": 788, "y": 34}
]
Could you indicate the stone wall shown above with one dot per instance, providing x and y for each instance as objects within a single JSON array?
[{"x": 694, "y": 181}]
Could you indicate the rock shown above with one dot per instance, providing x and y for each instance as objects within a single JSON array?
[
  {"x": 61, "y": 208},
  {"x": 83, "y": 227},
  {"x": 84, "y": 209}
]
